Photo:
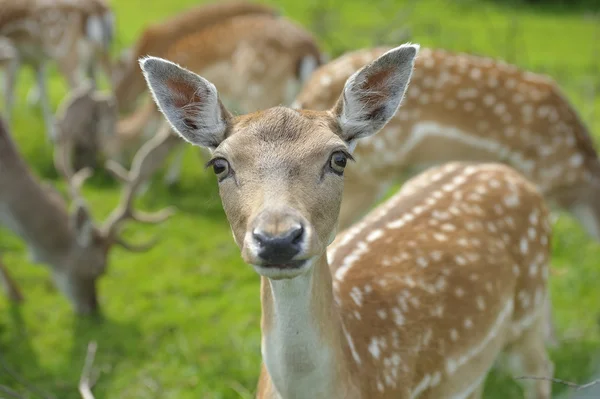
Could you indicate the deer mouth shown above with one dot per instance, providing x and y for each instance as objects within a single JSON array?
[
  {"x": 281, "y": 271},
  {"x": 290, "y": 265}
]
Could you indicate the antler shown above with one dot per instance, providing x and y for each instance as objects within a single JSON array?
[
  {"x": 141, "y": 169},
  {"x": 74, "y": 110}
]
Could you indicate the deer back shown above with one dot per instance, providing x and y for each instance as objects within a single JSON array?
[
  {"x": 461, "y": 107},
  {"x": 450, "y": 268}
]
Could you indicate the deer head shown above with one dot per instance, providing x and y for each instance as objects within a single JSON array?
[
  {"x": 77, "y": 271},
  {"x": 69, "y": 241},
  {"x": 280, "y": 226}
]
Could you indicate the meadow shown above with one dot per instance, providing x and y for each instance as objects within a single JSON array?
[{"x": 182, "y": 320}]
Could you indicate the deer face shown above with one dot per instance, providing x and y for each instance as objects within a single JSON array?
[
  {"x": 280, "y": 176},
  {"x": 280, "y": 171},
  {"x": 82, "y": 267}
]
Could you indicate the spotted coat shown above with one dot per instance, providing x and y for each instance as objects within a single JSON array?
[
  {"x": 461, "y": 107},
  {"x": 445, "y": 274}
]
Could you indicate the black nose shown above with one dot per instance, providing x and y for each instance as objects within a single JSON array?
[{"x": 281, "y": 248}]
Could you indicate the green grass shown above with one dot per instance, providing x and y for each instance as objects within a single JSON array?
[{"x": 182, "y": 321}]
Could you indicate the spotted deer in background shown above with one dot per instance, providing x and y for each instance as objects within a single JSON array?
[
  {"x": 258, "y": 59},
  {"x": 157, "y": 38},
  {"x": 462, "y": 107},
  {"x": 77, "y": 35},
  {"x": 418, "y": 299},
  {"x": 63, "y": 237}
]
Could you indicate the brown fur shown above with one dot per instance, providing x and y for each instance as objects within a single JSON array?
[
  {"x": 13, "y": 13},
  {"x": 156, "y": 40}
]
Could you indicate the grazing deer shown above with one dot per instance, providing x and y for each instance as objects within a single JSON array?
[
  {"x": 259, "y": 60},
  {"x": 158, "y": 38},
  {"x": 75, "y": 34},
  {"x": 68, "y": 241},
  {"x": 86, "y": 120},
  {"x": 421, "y": 297},
  {"x": 464, "y": 107}
]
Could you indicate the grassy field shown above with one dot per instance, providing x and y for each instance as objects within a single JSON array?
[{"x": 182, "y": 320}]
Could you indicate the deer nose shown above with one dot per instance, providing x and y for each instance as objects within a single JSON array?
[{"x": 278, "y": 249}]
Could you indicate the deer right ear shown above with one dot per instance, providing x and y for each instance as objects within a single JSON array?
[{"x": 189, "y": 102}]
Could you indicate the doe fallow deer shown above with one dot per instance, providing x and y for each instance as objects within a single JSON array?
[
  {"x": 77, "y": 35},
  {"x": 463, "y": 107},
  {"x": 67, "y": 240},
  {"x": 417, "y": 300}
]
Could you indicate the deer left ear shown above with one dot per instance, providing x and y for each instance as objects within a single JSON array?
[
  {"x": 373, "y": 94},
  {"x": 189, "y": 102}
]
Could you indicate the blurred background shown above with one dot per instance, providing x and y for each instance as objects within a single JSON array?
[{"x": 182, "y": 320}]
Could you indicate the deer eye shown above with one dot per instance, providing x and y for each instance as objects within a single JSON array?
[
  {"x": 337, "y": 162},
  {"x": 220, "y": 167}
]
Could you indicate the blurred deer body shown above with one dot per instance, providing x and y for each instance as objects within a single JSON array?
[
  {"x": 158, "y": 38},
  {"x": 68, "y": 241},
  {"x": 443, "y": 244},
  {"x": 76, "y": 34},
  {"x": 85, "y": 119},
  {"x": 463, "y": 107},
  {"x": 419, "y": 298},
  {"x": 258, "y": 60}
]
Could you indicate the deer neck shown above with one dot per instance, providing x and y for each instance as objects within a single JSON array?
[
  {"x": 302, "y": 340},
  {"x": 30, "y": 209}
]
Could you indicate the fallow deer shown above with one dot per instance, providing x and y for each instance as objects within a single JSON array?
[
  {"x": 463, "y": 107},
  {"x": 75, "y": 34},
  {"x": 86, "y": 120},
  {"x": 259, "y": 60},
  {"x": 418, "y": 299},
  {"x": 68, "y": 241},
  {"x": 158, "y": 38}
]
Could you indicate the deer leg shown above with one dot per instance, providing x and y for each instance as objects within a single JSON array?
[
  {"x": 41, "y": 77},
  {"x": 551, "y": 335},
  {"x": 528, "y": 358},
  {"x": 10, "y": 286},
  {"x": 477, "y": 393},
  {"x": 10, "y": 80}
]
